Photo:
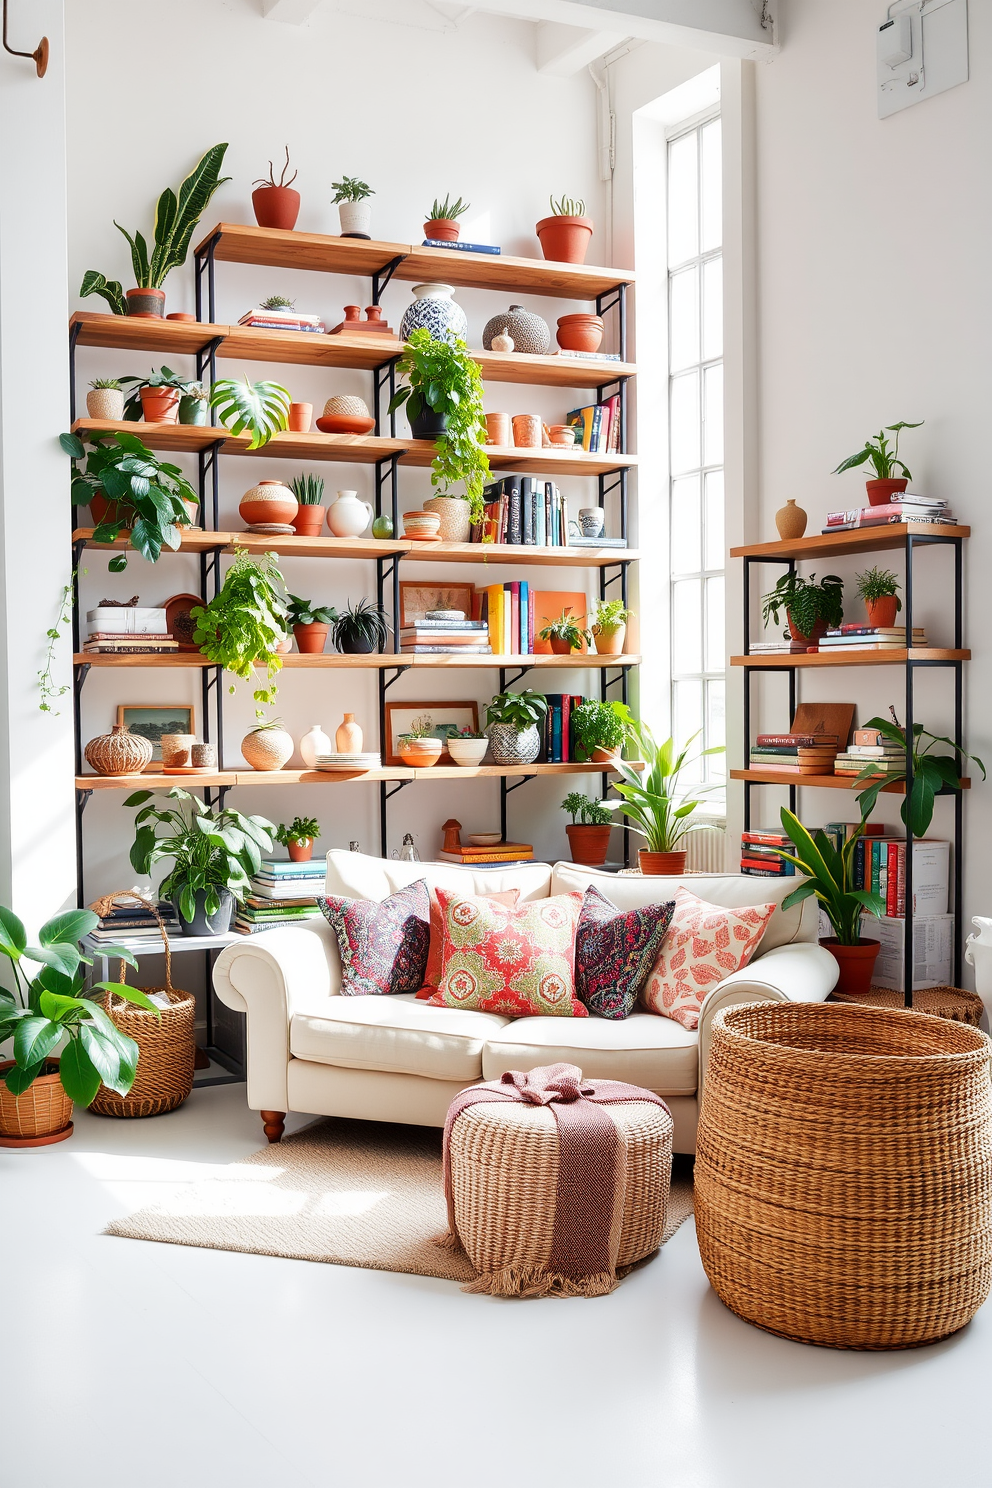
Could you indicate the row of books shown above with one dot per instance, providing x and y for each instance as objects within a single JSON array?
[
  {"x": 282, "y": 893},
  {"x": 871, "y": 638},
  {"x": 282, "y": 320},
  {"x": 598, "y": 426},
  {"x": 558, "y": 746},
  {"x": 878, "y": 864},
  {"x": 132, "y": 921},
  {"x": 440, "y": 637},
  {"x": 523, "y": 510},
  {"x": 904, "y": 507},
  {"x": 497, "y": 855},
  {"x": 511, "y": 618}
]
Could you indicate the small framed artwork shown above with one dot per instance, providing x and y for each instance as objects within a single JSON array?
[
  {"x": 152, "y": 720},
  {"x": 416, "y": 600},
  {"x": 444, "y": 719}
]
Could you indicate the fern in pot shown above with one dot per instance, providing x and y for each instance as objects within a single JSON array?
[
  {"x": 810, "y": 607},
  {"x": 513, "y": 720}
]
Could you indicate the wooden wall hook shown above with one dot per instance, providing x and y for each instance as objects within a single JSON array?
[{"x": 40, "y": 54}]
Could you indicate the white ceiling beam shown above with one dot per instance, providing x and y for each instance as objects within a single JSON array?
[
  {"x": 291, "y": 12},
  {"x": 730, "y": 28},
  {"x": 562, "y": 51}
]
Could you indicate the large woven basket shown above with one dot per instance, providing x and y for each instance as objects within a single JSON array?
[
  {"x": 166, "y": 1048},
  {"x": 843, "y": 1177}
]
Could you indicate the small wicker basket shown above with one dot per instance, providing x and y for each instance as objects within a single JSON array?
[{"x": 165, "y": 1043}]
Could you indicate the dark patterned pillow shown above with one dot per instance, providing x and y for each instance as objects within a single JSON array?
[
  {"x": 615, "y": 950},
  {"x": 383, "y": 945}
]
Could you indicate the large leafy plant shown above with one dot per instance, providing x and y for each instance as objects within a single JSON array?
[
  {"x": 163, "y": 378},
  {"x": 932, "y": 773},
  {"x": 805, "y": 601},
  {"x": 148, "y": 498},
  {"x": 261, "y": 408},
  {"x": 210, "y": 850},
  {"x": 53, "y": 1007},
  {"x": 176, "y": 217},
  {"x": 246, "y": 621},
  {"x": 651, "y": 799},
  {"x": 442, "y": 376},
  {"x": 883, "y": 458},
  {"x": 830, "y": 876}
]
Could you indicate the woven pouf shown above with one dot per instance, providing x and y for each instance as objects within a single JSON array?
[
  {"x": 547, "y": 1197},
  {"x": 843, "y": 1177}
]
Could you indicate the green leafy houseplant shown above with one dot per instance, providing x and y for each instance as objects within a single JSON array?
[
  {"x": 806, "y": 602},
  {"x": 350, "y": 189},
  {"x": 360, "y": 628},
  {"x": 261, "y": 408},
  {"x": 164, "y": 377},
  {"x": 246, "y": 621},
  {"x": 517, "y": 710},
  {"x": 566, "y": 630},
  {"x": 605, "y": 726},
  {"x": 300, "y": 829},
  {"x": 176, "y": 217},
  {"x": 883, "y": 459},
  {"x": 651, "y": 799},
  {"x": 585, "y": 812},
  {"x": 609, "y": 615},
  {"x": 305, "y": 612},
  {"x": 211, "y": 850},
  {"x": 830, "y": 876},
  {"x": 932, "y": 773},
  {"x": 878, "y": 583},
  {"x": 447, "y": 210},
  {"x": 146, "y": 497},
  {"x": 276, "y": 302},
  {"x": 442, "y": 377}
]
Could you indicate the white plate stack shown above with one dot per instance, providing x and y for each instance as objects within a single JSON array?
[{"x": 353, "y": 761}]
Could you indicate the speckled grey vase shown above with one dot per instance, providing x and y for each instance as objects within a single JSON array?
[
  {"x": 510, "y": 746},
  {"x": 434, "y": 310},
  {"x": 531, "y": 335}
]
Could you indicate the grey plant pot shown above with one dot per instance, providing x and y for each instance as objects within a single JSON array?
[
  {"x": 203, "y": 924},
  {"x": 511, "y": 747}
]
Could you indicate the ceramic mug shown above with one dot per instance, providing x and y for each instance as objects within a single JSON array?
[
  {"x": 592, "y": 520},
  {"x": 176, "y": 750},
  {"x": 498, "y": 429},
  {"x": 528, "y": 431},
  {"x": 300, "y": 415}
]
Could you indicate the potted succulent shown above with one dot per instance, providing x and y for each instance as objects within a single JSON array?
[
  {"x": 565, "y": 234},
  {"x": 830, "y": 876},
  {"x": 260, "y": 408},
  {"x": 310, "y": 624},
  {"x": 298, "y": 837},
  {"x": 54, "y": 1009},
  {"x": 105, "y": 400},
  {"x": 154, "y": 398},
  {"x": 128, "y": 489},
  {"x": 884, "y": 461},
  {"x": 194, "y": 404},
  {"x": 421, "y": 747},
  {"x": 268, "y": 745},
  {"x": 512, "y": 719},
  {"x": 442, "y": 220},
  {"x": 360, "y": 629},
  {"x": 879, "y": 588},
  {"x": 564, "y": 634},
  {"x": 215, "y": 854},
  {"x": 600, "y": 730},
  {"x": 589, "y": 831},
  {"x": 468, "y": 747},
  {"x": 609, "y": 626},
  {"x": 309, "y": 492},
  {"x": 444, "y": 402},
  {"x": 810, "y": 607},
  {"x": 351, "y": 197},
  {"x": 652, "y": 801},
  {"x": 176, "y": 217},
  {"x": 245, "y": 623},
  {"x": 276, "y": 203},
  {"x": 933, "y": 774}
]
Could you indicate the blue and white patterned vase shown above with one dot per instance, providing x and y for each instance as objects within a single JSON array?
[{"x": 434, "y": 310}]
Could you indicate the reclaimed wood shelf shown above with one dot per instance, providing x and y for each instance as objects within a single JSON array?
[
  {"x": 421, "y": 452},
  {"x": 841, "y": 544},
  {"x": 158, "y": 780},
  {"x": 370, "y": 661},
  {"x": 520, "y": 555},
  {"x": 828, "y": 782},
  {"x": 849, "y": 656}
]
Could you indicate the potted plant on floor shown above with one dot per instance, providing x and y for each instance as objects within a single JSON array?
[
  {"x": 128, "y": 489},
  {"x": 309, "y": 492},
  {"x": 245, "y": 623},
  {"x": 442, "y": 220},
  {"x": 513, "y": 719},
  {"x": 600, "y": 730},
  {"x": 609, "y": 626},
  {"x": 258, "y": 408},
  {"x": 879, "y": 588},
  {"x": 885, "y": 462},
  {"x": 589, "y": 831},
  {"x": 176, "y": 217},
  {"x": 420, "y": 747},
  {"x": 310, "y": 623},
  {"x": 653, "y": 803},
  {"x": 276, "y": 203},
  {"x": 444, "y": 402},
  {"x": 566, "y": 233},
  {"x": 360, "y": 629},
  {"x": 351, "y": 197},
  {"x": 105, "y": 400},
  {"x": 564, "y": 634},
  {"x": 830, "y": 876},
  {"x": 810, "y": 607},
  {"x": 214, "y": 853},
  {"x": 933, "y": 774},
  {"x": 298, "y": 838}
]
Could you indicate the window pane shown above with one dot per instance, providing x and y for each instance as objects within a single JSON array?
[
  {"x": 716, "y": 729},
  {"x": 714, "y": 625},
  {"x": 711, "y": 211},
  {"x": 685, "y": 525},
  {"x": 713, "y": 520},
  {"x": 685, "y": 319},
  {"x": 683, "y": 199},
  {"x": 685, "y": 423},
  {"x": 712, "y": 309},
  {"x": 687, "y": 627},
  {"x": 713, "y": 416},
  {"x": 687, "y": 710}
]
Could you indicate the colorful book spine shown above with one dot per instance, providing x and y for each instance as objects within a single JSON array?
[{"x": 460, "y": 247}]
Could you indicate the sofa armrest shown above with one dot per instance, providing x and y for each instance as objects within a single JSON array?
[
  {"x": 800, "y": 972},
  {"x": 270, "y": 977}
]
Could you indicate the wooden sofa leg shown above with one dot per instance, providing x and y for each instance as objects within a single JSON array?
[{"x": 273, "y": 1124}]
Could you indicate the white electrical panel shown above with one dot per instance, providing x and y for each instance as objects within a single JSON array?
[{"x": 921, "y": 49}]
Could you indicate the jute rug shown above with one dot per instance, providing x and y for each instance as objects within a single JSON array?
[{"x": 354, "y": 1193}]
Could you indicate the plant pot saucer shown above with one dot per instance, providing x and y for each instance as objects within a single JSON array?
[
  {"x": 271, "y": 529},
  {"x": 50, "y": 1140},
  {"x": 343, "y": 423},
  {"x": 189, "y": 770},
  {"x": 416, "y": 537}
]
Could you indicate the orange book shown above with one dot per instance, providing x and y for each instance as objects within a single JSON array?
[{"x": 548, "y": 605}]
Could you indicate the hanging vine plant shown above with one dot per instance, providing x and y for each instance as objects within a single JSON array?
[
  {"x": 246, "y": 621},
  {"x": 442, "y": 377}
]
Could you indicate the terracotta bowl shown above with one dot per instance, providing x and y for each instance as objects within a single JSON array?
[
  {"x": 580, "y": 332},
  {"x": 345, "y": 424}
]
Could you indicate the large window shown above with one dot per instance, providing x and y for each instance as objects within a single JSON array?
[{"x": 695, "y": 409}]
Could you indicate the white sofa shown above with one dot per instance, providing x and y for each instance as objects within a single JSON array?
[{"x": 397, "y": 1059}]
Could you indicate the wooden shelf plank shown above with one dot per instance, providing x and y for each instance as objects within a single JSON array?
[
  {"x": 348, "y": 449},
  {"x": 317, "y": 547},
  {"x": 840, "y": 544},
  {"x": 518, "y": 555},
  {"x": 420, "y": 452},
  {"x": 194, "y": 540},
  {"x": 827, "y": 782},
  {"x": 850, "y": 656},
  {"x": 550, "y": 371},
  {"x": 156, "y": 780},
  {"x": 334, "y": 660},
  {"x": 138, "y": 333},
  {"x": 308, "y": 348}
]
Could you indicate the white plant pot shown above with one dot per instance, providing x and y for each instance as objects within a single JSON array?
[
  {"x": 356, "y": 218},
  {"x": 314, "y": 742},
  {"x": 105, "y": 403},
  {"x": 468, "y": 752}
]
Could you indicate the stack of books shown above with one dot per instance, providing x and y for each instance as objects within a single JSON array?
[
  {"x": 282, "y": 893},
  {"x": 590, "y": 356},
  {"x": 127, "y": 643},
  {"x": 781, "y": 751},
  {"x": 132, "y": 922},
  {"x": 886, "y": 758},
  {"x": 782, "y": 647},
  {"x": 759, "y": 858},
  {"x": 500, "y": 855},
  {"x": 598, "y": 426},
  {"x": 432, "y": 636},
  {"x": 127, "y": 630},
  {"x": 461, "y": 247},
  {"x": 906, "y": 507},
  {"x": 523, "y": 511},
  {"x": 871, "y": 638},
  {"x": 261, "y": 319}
]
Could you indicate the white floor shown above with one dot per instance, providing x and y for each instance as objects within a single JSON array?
[{"x": 158, "y": 1366}]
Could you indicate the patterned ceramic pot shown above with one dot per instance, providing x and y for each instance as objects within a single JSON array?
[
  {"x": 105, "y": 403},
  {"x": 434, "y": 310},
  {"x": 147, "y": 303},
  {"x": 267, "y": 748},
  {"x": 419, "y": 754},
  {"x": 346, "y": 405},
  {"x": 530, "y": 334},
  {"x": 510, "y": 746},
  {"x": 456, "y": 522},
  {"x": 269, "y": 501},
  {"x": 118, "y": 753}
]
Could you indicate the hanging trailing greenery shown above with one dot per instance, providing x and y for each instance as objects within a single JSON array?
[
  {"x": 246, "y": 620},
  {"x": 443, "y": 377}
]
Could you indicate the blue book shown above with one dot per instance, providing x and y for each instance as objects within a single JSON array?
[
  {"x": 461, "y": 247},
  {"x": 525, "y": 645}
]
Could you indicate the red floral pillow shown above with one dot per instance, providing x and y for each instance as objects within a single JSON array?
[
  {"x": 519, "y": 962},
  {"x": 705, "y": 943},
  {"x": 432, "y": 975}
]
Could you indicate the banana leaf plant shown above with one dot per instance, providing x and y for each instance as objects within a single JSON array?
[
  {"x": 650, "y": 798},
  {"x": 53, "y": 1007},
  {"x": 932, "y": 773},
  {"x": 830, "y": 877},
  {"x": 262, "y": 408},
  {"x": 145, "y": 497}
]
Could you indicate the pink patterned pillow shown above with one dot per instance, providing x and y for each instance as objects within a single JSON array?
[
  {"x": 705, "y": 943},
  {"x": 519, "y": 962}
]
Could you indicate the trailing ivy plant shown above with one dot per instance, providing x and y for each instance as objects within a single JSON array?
[
  {"x": 262, "y": 408},
  {"x": 148, "y": 498},
  {"x": 246, "y": 620},
  {"x": 50, "y": 691},
  {"x": 443, "y": 377}
]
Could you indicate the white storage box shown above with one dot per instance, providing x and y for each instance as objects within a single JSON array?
[
  {"x": 933, "y": 949},
  {"x": 126, "y": 619}
]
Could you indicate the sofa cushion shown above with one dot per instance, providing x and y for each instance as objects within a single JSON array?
[
  {"x": 360, "y": 876},
  {"x": 615, "y": 951},
  {"x": 519, "y": 962},
  {"x": 398, "y": 1035},
  {"x": 435, "y": 954},
  {"x": 383, "y": 946},
  {"x": 705, "y": 944},
  {"x": 642, "y": 1049}
]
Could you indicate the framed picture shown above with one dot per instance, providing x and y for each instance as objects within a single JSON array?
[
  {"x": 417, "y": 599},
  {"x": 152, "y": 720},
  {"x": 445, "y": 719}
]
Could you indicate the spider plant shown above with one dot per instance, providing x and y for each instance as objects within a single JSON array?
[
  {"x": 360, "y": 628},
  {"x": 651, "y": 799}
]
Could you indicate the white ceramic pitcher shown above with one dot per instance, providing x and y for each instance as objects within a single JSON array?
[
  {"x": 978, "y": 953},
  {"x": 348, "y": 516}
]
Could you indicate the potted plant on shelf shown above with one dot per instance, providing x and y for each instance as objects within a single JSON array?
[
  {"x": 310, "y": 624},
  {"x": 244, "y": 624},
  {"x": 421, "y": 747},
  {"x": 444, "y": 402},
  {"x": 564, "y": 634},
  {"x": 215, "y": 854},
  {"x": 128, "y": 489},
  {"x": 830, "y": 876},
  {"x": 885, "y": 462},
  {"x": 601, "y": 730},
  {"x": 260, "y": 408},
  {"x": 565, "y": 234},
  {"x": 810, "y": 607},
  {"x": 54, "y": 1008},
  {"x": 512, "y": 719},
  {"x": 360, "y": 629},
  {"x": 933, "y": 774},
  {"x": 589, "y": 830},
  {"x": 309, "y": 492},
  {"x": 879, "y": 588},
  {"x": 298, "y": 838},
  {"x": 105, "y": 399},
  {"x": 442, "y": 220},
  {"x": 276, "y": 203},
  {"x": 176, "y": 217},
  {"x": 468, "y": 747},
  {"x": 351, "y": 197},
  {"x": 609, "y": 626},
  {"x": 652, "y": 801},
  {"x": 194, "y": 405},
  {"x": 155, "y": 398}
]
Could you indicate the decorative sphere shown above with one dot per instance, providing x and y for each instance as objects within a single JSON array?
[{"x": 382, "y": 527}]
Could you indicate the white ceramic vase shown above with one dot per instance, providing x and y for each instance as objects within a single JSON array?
[
  {"x": 356, "y": 218},
  {"x": 348, "y": 516},
  {"x": 313, "y": 743}
]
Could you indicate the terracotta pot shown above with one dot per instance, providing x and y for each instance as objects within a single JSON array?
[
  {"x": 604, "y": 756},
  {"x": 609, "y": 642},
  {"x": 39, "y": 1117},
  {"x": 102, "y": 510},
  {"x": 300, "y": 852},
  {"x": 660, "y": 864},
  {"x": 420, "y": 754},
  {"x": 528, "y": 431},
  {"x": 105, "y": 403},
  {"x": 882, "y": 612},
  {"x": 856, "y": 963},
  {"x": 160, "y": 405},
  {"x": 565, "y": 239},
  {"x": 267, "y": 749},
  {"x": 790, "y": 520},
  {"x": 180, "y": 315},
  {"x": 881, "y": 492},
  {"x": 498, "y": 429},
  {"x": 444, "y": 228},
  {"x": 580, "y": 332},
  {"x": 300, "y": 417},
  {"x": 559, "y": 646},
  {"x": 309, "y": 521},
  {"x": 149, "y": 304},
  {"x": 276, "y": 206},
  {"x": 119, "y": 753},
  {"x": 819, "y": 629},
  {"x": 562, "y": 436},
  {"x": 348, "y": 736},
  {"x": 269, "y": 501},
  {"x": 311, "y": 639},
  {"x": 421, "y": 524},
  {"x": 589, "y": 845},
  {"x": 456, "y": 522}
]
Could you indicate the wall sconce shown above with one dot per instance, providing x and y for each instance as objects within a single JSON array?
[{"x": 39, "y": 56}]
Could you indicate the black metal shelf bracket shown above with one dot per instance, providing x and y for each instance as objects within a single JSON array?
[
  {"x": 74, "y": 333},
  {"x": 616, "y": 299},
  {"x": 204, "y": 262},
  {"x": 206, "y": 358},
  {"x": 384, "y": 383},
  {"x": 382, "y": 276}
]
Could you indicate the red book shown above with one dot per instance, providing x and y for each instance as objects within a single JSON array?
[
  {"x": 767, "y": 839},
  {"x": 768, "y": 864},
  {"x": 515, "y": 618}
]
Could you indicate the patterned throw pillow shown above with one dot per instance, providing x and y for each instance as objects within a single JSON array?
[
  {"x": 615, "y": 951},
  {"x": 519, "y": 962},
  {"x": 383, "y": 945},
  {"x": 705, "y": 943},
  {"x": 432, "y": 975}
]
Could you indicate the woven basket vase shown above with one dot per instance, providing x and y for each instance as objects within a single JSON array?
[
  {"x": 843, "y": 1179},
  {"x": 166, "y": 1049}
]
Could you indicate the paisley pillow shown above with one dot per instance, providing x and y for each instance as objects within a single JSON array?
[
  {"x": 383, "y": 945},
  {"x": 516, "y": 961},
  {"x": 705, "y": 943},
  {"x": 432, "y": 975},
  {"x": 615, "y": 951}
]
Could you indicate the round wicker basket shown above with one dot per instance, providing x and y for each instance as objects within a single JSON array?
[
  {"x": 118, "y": 753},
  {"x": 843, "y": 1178}
]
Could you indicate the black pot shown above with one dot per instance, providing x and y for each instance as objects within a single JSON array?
[
  {"x": 429, "y": 424},
  {"x": 355, "y": 646},
  {"x": 203, "y": 924}
]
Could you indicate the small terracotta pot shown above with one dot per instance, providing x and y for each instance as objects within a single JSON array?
[
  {"x": 311, "y": 639},
  {"x": 562, "y": 436},
  {"x": 819, "y": 629},
  {"x": 443, "y": 228},
  {"x": 559, "y": 646},
  {"x": 528, "y": 431},
  {"x": 300, "y": 416},
  {"x": 276, "y": 206},
  {"x": 300, "y": 852},
  {"x": 309, "y": 521},
  {"x": 580, "y": 332},
  {"x": 882, "y": 612},
  {"x": 149, "y": 304},
  {"x": 604, "y": 756},
  {"x": 609, "y": 642},
  {"x": 39, "y": 1117},
  {"x": 565, "y": 239},
  {"x": 180, "y": 315},
  {"x": 160, "y": 405},
  {"x": 589, "y": 845},
  {"x": 660, "y": 864},
  {"x": 881, "y": 492},
  {"x": 498, "y": 429},
  {"x": 420, "y": 754},
  {"x": 102, "y": 510},
  {"x": 856, "y": 963}
]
